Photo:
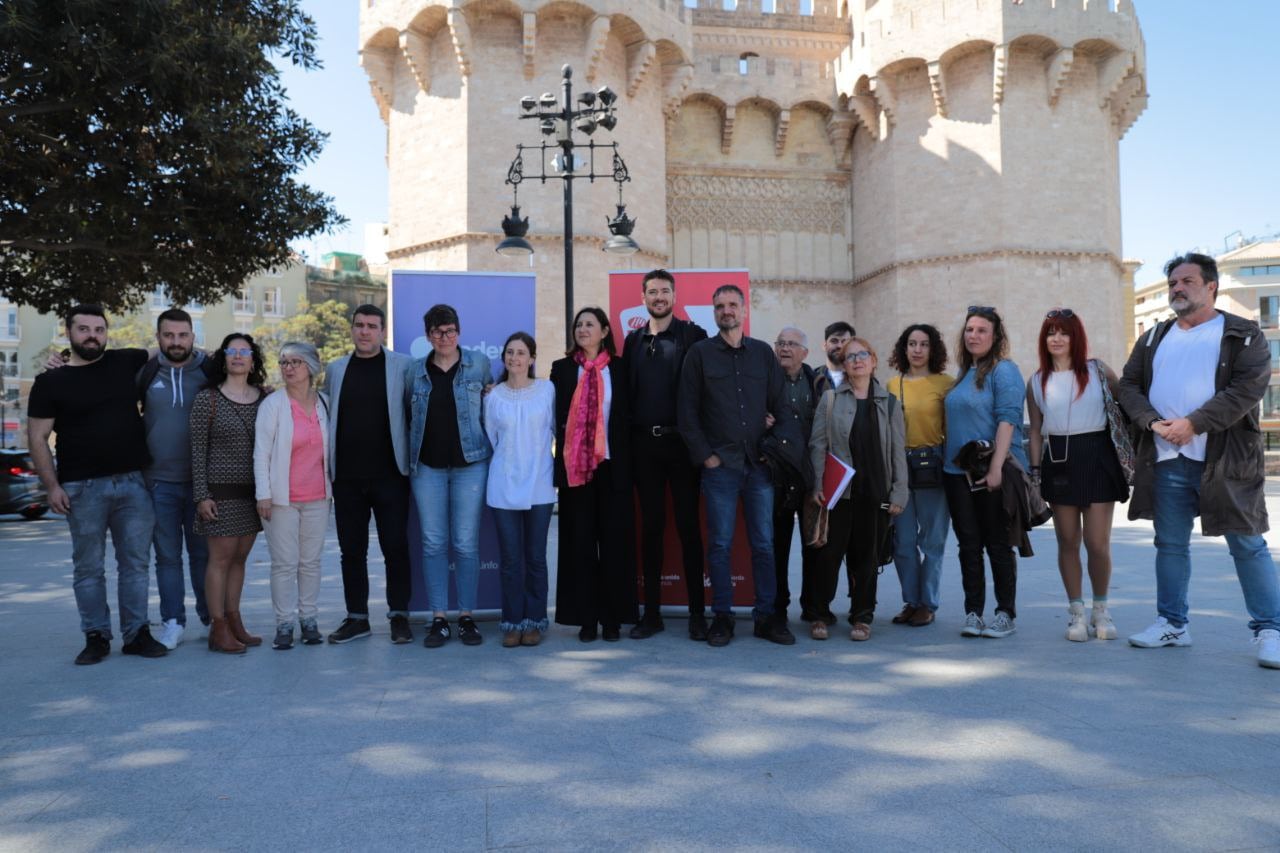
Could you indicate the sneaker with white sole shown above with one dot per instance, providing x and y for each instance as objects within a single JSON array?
[
  {"x": 171, "y": 634},
  {"x": 1161, "y": 633},
  {"x": 1000, "y": 626},
  {"x": 972, "y": 626},
  {"x": 1268, "y": 643},
  {"x": 1077, "y": 630},
  {"x": 1100, "y": 623}
]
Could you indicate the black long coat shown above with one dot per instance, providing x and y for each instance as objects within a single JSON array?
[{"x": 595, "y": 566}]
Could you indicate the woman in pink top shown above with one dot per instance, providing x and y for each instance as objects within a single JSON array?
[{"x": 290, "y": 459}]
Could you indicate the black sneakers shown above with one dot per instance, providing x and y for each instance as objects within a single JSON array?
[
  {"x": 698, "y": 627},
  {"x": 400, "y": 631},
  {"x": 144, "y": 645},
  {"x": 647, "y": 627},
  {"x": 775, "y": 630},
  {"x": 96, "y": 647},
  {"x": 350, "y": 629},
  {"x": 721, "y": 631},
  {"x": 284, "y": 637},
  {"x": 468, "y": 632},
  {"x": 438, "y": 634}
]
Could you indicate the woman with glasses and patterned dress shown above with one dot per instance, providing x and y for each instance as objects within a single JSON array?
[
  {"x": 223, "y": 424},
  {"x": 290, "y": 463},
  {"x": 984, "y": 404},
  {"x": 920, "y": 533},
  {"x": 1076, "y": 463},
  {"x": 861, "y": 425},
  {"x": 595, "y": 568},
  {"x": 448, "y": 468}
]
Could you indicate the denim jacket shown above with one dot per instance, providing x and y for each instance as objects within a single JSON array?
[{"x": 468, "y": 393}]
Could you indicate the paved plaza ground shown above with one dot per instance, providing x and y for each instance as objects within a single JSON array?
[{"x": 917, "y": 739}]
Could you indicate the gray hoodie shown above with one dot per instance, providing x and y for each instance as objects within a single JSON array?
[{"x": 167, "y": 414}]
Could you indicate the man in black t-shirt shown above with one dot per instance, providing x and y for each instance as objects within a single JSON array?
[
  {"x": 92, "y": 404},
  {"x": 368, "y": 458}
]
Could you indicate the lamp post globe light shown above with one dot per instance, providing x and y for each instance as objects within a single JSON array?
[{"x": 558, "y": 119}]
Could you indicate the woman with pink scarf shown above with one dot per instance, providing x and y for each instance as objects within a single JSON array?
[{"x": 596, "y": 574}]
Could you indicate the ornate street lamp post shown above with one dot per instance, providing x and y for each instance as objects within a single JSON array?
[{"x": 559, "y": 118}]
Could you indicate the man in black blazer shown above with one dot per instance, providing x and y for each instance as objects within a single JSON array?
[{"x": 654, "y": 355}]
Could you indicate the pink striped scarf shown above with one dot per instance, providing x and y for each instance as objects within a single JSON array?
[{"x": 584, "y": 437}]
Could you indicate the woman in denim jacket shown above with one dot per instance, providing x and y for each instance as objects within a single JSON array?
[{"x": 448, "y": 468}]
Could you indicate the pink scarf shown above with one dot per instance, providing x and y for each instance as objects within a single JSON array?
[{"x": 584, "y": 434}]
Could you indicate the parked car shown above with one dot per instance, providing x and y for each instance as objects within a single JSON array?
[{"x": 20, "y": 488}]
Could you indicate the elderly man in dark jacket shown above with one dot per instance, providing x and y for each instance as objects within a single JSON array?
[{"x": 1191, "y": 387}]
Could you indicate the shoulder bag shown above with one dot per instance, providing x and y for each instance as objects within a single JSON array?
[{"x": 1117, "y": 425}]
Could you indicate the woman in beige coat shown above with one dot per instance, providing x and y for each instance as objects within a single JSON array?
[{"x": 860, "y": 424}]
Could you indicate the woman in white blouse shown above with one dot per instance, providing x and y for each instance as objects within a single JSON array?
[
  {"x": 519, "y": 416},
  {"x": 1075, "y": 461}
]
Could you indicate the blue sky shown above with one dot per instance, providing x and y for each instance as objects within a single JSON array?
[{"x": 1199, "y": 164}]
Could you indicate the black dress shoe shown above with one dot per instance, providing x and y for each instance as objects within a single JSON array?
[
  {"x": 646, "y": 628},
  {"x": 611, "y": 633},
  {"x": 587, "y": 633},
  {"x": 698, "y": 627},
  {"x": 721, "y": 631},
  {"x": 775, "y": 631}
]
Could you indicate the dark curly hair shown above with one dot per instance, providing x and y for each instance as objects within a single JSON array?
[
  {"x": 218, "y": 361},
  {"x": 937, "y": 349}
]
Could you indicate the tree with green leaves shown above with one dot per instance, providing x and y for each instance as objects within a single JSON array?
[
  {"x": 326, "y": 325},
  {"x": 147, "y": 143}
]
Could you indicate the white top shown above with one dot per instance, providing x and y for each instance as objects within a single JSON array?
[
  {"x": 608, "y": 403},
  {"x": 1182, "y": 380},
  {"x": 521, "y": 426},
  {"x": 1064, "y": 412},
  {"x": 837, "y": 376}
]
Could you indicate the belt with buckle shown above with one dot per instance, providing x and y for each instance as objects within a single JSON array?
[{"x": 659, "y": 431}]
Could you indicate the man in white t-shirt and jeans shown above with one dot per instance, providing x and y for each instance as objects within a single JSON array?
[{"x": 1192, "y": 386}]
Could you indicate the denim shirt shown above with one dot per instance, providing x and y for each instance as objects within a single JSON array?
[
  {"x": 974, "y": 413},
  {"x": 468, "y": 391}
]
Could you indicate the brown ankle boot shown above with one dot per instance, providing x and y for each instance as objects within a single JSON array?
[
  {"x": 238, "y": 629},
  {"x": 221, "y": 639}
]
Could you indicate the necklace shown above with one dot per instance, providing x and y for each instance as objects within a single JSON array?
[{"x": 1066, "y": 444}]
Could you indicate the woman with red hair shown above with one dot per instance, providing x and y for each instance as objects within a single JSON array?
[{"x": 1076, "y": 463}]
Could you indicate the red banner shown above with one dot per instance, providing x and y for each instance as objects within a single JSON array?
[{"x": 693, "y": 302}]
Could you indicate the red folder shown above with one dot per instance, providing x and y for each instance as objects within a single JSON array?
[{"x": 836, "y": 475}]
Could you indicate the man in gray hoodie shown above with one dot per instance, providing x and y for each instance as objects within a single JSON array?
[{"x": 167, "y": 386}]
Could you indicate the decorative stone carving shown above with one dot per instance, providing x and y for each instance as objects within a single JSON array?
[
  {"x": 884, "y": 96},
  {"x": 530, "y": 42},
  {"x": 641, "y": 57},
  {"x": 726, "y": 130},
  {"x": 1111, "y": 73},
  {"x": 938, "y": 84},
  {"x": 379, "y": 65},
  {"x": 1057, "y": 70},
  {"x": 597, "y": 38},
  {"x": 460, "y": 33},
  {"x": 780, "y": 136},
  {"x": 757, "y": 204},
  {"x": 417, "y": 54},
  {"x": 1000, "y": 68}
]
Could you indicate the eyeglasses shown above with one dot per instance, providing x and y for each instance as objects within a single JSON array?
[
  {"x": 983, "y": 310},
  {"x": 860, "y": 355},
  {"x": 1060, "y": 313},
  {"x": 443, "y": 334},
  {"x": 781, "y": 344},
  {"x": 234, "y": 351},
  {"x": 290, "y": 363}
]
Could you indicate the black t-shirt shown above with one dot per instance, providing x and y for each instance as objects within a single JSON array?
[
  {"x": 868, "y": 463},
  {"x": 95, "y": 415},
  {"x": 655, "y": 374},
  {"x": 364, "y": 450},
  {"x": 441, "y": 441}
]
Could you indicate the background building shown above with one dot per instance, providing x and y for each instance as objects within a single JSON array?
[
  {"x": 346, "y": 277},
  {"x": 885, "y": 161}
]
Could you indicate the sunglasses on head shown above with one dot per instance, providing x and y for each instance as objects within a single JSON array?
[
  {"x": 983, "y": 310},
  {"x": 1060, "y": 314}
]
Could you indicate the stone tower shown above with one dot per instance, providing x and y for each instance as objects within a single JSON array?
[
  {"x": 985, "y": 162},
  {"x": 886, "y": 161}
]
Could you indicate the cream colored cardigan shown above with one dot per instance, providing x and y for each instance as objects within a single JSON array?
[{"x": 273, "y": 447}]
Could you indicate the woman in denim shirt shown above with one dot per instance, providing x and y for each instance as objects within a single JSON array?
[
  {"x": 448, "y": 468},
  {"x": 985, "y": 403}
]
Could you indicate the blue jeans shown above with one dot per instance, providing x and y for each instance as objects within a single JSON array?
[
  {"x": 522, "y": 542},
  {"x": 920, "y": 537},
  {"x": 175, "y": 524},
  {"x": 1177, "y": 502},
  {"x": 450, "y": 503},
  {"x": 118, "y": 503},
  {"x": 721, "y": 488}
]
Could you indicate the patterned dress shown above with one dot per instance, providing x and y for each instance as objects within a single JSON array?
[{"x": 222, "y": 462}]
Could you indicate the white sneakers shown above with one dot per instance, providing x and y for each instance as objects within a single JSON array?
[
  {"x": 1161, "y": 633},
  {"x": 972, "y": 626},
  {"x": 1100, "y": 622},
  {"x": 1268, "y": 643},
  {"x": 171, "y": 634},
  {"x": 1077, "y": 630}
]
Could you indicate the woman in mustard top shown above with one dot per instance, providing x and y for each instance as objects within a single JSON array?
[{"x": 920, "y": 533}]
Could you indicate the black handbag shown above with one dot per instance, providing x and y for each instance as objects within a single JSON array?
[{"x": 924, "y": 464}]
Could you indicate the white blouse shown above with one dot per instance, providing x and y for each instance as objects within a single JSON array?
[
  {"x": 1064, "y": 413},
  {"x": 607, "y": 383},
  {"x": 521, "y": 426}
]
